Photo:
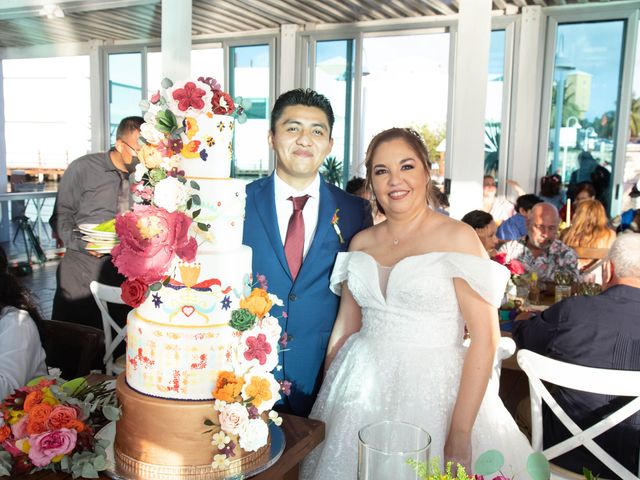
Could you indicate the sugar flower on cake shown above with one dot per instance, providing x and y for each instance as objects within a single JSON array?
[
  {"x": 189, "y": 98},
  {"x": 254, "y": 436},
  {"x": 272, "y": 326},
  {"x": 170, "y": 194},
  {"x": 258, "y": 348},
  {"x": 261, "y": 389},
  {"x": 150, "y": 238},
  {"x": 233, "y": 418}
]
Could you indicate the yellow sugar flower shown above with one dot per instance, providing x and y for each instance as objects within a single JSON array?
[{"x": 259, "y": 390}]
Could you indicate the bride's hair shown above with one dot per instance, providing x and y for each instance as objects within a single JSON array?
[{"x": 415, "y": 142}]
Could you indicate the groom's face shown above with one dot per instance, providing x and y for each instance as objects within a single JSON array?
[{"x": 301, "y": 142}]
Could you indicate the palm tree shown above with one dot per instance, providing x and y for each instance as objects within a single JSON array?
[
  {"x": 332, "y": 171},
  {"x": 634, "y": 118}
]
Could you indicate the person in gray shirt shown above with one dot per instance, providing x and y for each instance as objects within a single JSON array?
[{"x": 93, "y": 189}]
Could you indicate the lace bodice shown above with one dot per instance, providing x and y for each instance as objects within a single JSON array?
[{"x": 420, "y": 305}]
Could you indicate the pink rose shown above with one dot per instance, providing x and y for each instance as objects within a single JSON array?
[
  {"x": 515, "y": 267},
  {"x": 47, "y": 445},
  {"x": 19, "y": 429},
  {"x": 233, "y": 418},
  {"x": 149, "y": 239}
]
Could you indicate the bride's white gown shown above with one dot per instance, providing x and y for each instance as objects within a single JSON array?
[{"x": 406, "y": 361}]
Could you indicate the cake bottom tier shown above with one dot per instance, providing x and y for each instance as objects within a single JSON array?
[{"x": 165, "y": 439}]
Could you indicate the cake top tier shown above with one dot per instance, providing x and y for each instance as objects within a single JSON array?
[{"x": 189, "y": 128}]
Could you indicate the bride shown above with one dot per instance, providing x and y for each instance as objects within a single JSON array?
[{"x": 409, "y": 285}]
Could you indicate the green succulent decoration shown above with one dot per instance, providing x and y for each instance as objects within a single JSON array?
[{"x": 332, "y": 171}]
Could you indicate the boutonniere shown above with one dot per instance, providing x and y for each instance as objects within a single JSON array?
[{"x": 336, "y": 227}]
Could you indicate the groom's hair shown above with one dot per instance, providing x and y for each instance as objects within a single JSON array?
[{"x": 305, "y": 97}]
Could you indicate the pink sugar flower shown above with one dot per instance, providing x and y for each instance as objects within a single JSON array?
[
  {"x": 258, "y": 348},
  {"x": 149, "y": 239},
  {"x": 45, "y": 446},
  {"x": 189, "y": 96}
]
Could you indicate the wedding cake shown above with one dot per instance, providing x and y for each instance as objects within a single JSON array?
[{"x": 198, "y": 390}]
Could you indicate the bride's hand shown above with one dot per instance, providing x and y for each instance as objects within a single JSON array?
[{"x": 457, "y": 450}]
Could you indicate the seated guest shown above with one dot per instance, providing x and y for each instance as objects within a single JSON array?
[
  {"x": 485, "y": 227},
  {"x": 21, "y": 354},
  {"x": 601, "y": 331},
  {"x": 499, "y": 207},
  {"x": 551, "y": 190},
  {"x": 516, "y": 227},
  {"x": 357, "y": 186},
  {"x": 589, "y": 228},
  {"x": 540, "y": 251},
  {"x": 629, "y": 219},
  {"x": 582, "y": 191}
]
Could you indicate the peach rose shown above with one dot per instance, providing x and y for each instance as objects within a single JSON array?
[
  {"x": 33, "y": 398},
  {"x": 61, "y": 416},
  {"x": 233, "y": 418},
  {"x": 257, "y": 303},
  {"x": 150, "y": 156},
  {"x": 40, "y": 413},
  {"x": 5, "y": 431}
]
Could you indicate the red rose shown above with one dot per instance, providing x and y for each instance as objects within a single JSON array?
[
  {"x": 516, "y": 268},
  {"x": 133, "y": 292},
  {"x": 501, "y": 258}
]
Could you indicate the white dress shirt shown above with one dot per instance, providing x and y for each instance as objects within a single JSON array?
[
  {"x": 284, "y": 208},
  {"x": 21, "y": 354}
]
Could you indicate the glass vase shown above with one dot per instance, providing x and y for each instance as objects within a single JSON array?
[{"x": 385, "y": 450}]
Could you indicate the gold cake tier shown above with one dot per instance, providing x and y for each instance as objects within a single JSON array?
[{"x": 165, "y": 439}]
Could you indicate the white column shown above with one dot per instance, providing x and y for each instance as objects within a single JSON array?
[
  {"x": 99, "y": 102},
  {"x": 176, "y": 39},
  {"x": 4, "y": 209},
  {"x": 525, "y": 123},
  {"x": 471, "y": 70},
  {"x": 287, "y": 64}
]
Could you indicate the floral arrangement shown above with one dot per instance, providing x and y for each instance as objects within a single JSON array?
[
  {"x": 518, "y": 278},
  {"x": 245, "y": 395},
  {"x": 50, "y": 425},
  {"x": 488, "y": 465},
  {"x": 167, "y": 205}
]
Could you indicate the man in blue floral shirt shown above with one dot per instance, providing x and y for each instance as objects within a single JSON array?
[{"x": 540, "y": 251}]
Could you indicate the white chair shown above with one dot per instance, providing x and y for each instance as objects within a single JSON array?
[
  {"x": 587, "y": 379},
  {"x": 103, "y": 295}
]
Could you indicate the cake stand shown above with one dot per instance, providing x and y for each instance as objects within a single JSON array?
[{"x": 277, "y": 447}]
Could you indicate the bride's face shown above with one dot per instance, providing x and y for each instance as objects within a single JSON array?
[{"x": 399, "y": 177}]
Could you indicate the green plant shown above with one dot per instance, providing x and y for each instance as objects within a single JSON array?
[
  {"x": 332, "y": 171},
  {"x": 433, "y": 137}
]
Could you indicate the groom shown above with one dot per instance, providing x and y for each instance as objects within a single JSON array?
[{"x": 296, "y": 223}]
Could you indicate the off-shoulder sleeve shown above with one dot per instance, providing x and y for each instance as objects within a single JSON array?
[
  {"x": 339, "y": 273},
  {"x": 486, "y": 277}
]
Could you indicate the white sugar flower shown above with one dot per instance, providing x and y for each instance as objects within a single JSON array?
[
  {"x": 254, "y": 435},
  {"x": 168, "y": 163},
  {"x": 271, "y": 325},
  {"x": 170, "y": 194},
  {"x": 220, "y": 461},
  {"x": 273, "y": 416},
  {"x": 219, "y": 404},
  {"x": 220, "y": 439},
  {"x": 275, "y": 300},
  {"x": 233, "y": 418},
  {"x": 150, "y": 134},
  {"x": 140, "y": 171}
]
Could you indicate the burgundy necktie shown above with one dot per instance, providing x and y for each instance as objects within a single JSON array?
[{"x": 294, "y": 243}]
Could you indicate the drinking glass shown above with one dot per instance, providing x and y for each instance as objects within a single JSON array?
[
  {"x": 562, "y": 292},
  {"x": 385, "y": 448}
]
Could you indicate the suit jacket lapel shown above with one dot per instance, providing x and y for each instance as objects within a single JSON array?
[
  {"x": 328, "y": 206},
  {"x": 266, "y": 206}
]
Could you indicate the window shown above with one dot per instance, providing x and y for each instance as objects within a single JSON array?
[
  {"x": 47, "y": 111},
  {"x": 125, "y": 88},
  {"x": 493, "y": 110}
]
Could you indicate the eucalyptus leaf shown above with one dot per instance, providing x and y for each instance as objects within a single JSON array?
[
  {"x": 538, "y": 466},
  {"x": 5, "y": 462},
  {"x": 155, "y": 286},
  {"x": 166, "y": 83},
  {"x": 88, "y": 471},
  {"x": 196, "y": 213},
  {"x": 489, "y": 462},
  {"x": 111, "y": 413},
  {"x": 242, "y": 118},
  {"x": 99, "y": 463},
  {"x": 189, "y": 203},
  {"x": 65, "y": 463},
  {"x": 196, "y": 199},
  {"x": 203, "y": 226},
  {"x": 194, "y": 185},
  {"x": 144, "y": 105}
]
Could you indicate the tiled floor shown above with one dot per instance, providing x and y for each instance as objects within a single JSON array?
[{"x": 42, "y": 283}]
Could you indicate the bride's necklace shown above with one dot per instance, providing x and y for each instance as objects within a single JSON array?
[{"x": 413, "y": 226}]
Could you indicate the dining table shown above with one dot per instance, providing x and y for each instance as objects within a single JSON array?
[
  {"x": 302, "y": 435},
  {"x": 38, "y": 198}
]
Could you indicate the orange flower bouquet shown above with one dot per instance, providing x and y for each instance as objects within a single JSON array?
[{"x": 51, "y": 424}]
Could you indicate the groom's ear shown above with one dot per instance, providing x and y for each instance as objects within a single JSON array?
[{"x": 270, "y": 139}]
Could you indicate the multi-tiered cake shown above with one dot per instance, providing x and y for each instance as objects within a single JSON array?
[{"x": 200, "y": 344}]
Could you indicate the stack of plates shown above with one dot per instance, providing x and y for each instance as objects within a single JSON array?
[{"x": 99, "y": 242}]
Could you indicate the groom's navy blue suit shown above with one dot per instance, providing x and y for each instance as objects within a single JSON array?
[{"x": 310, "y": 306}]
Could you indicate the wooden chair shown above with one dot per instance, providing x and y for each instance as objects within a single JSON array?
[
  {"x": 597, "y": 262},
  {"x": 103, "y": 295},
  {"x": 73, "y": 348},
  {"x": 586, "y": 379}
]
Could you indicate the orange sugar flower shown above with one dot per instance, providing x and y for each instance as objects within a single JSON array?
[
  {"x": 259, "y": 390},
  {"x": 5, "y": 431},
  {"x": 33, "y": 399},
  {"x": 40, "y": 413},
  {"x": 228, "y": 387},
  {"x": 257, "y": 303}
]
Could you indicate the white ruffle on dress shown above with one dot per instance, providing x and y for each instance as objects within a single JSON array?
[{"x": 406, "y": 361}]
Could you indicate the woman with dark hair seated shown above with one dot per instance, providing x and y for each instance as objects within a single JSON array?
[
  {"x": 485, "y": 227},
  {"x": 21, "y": 353}
]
